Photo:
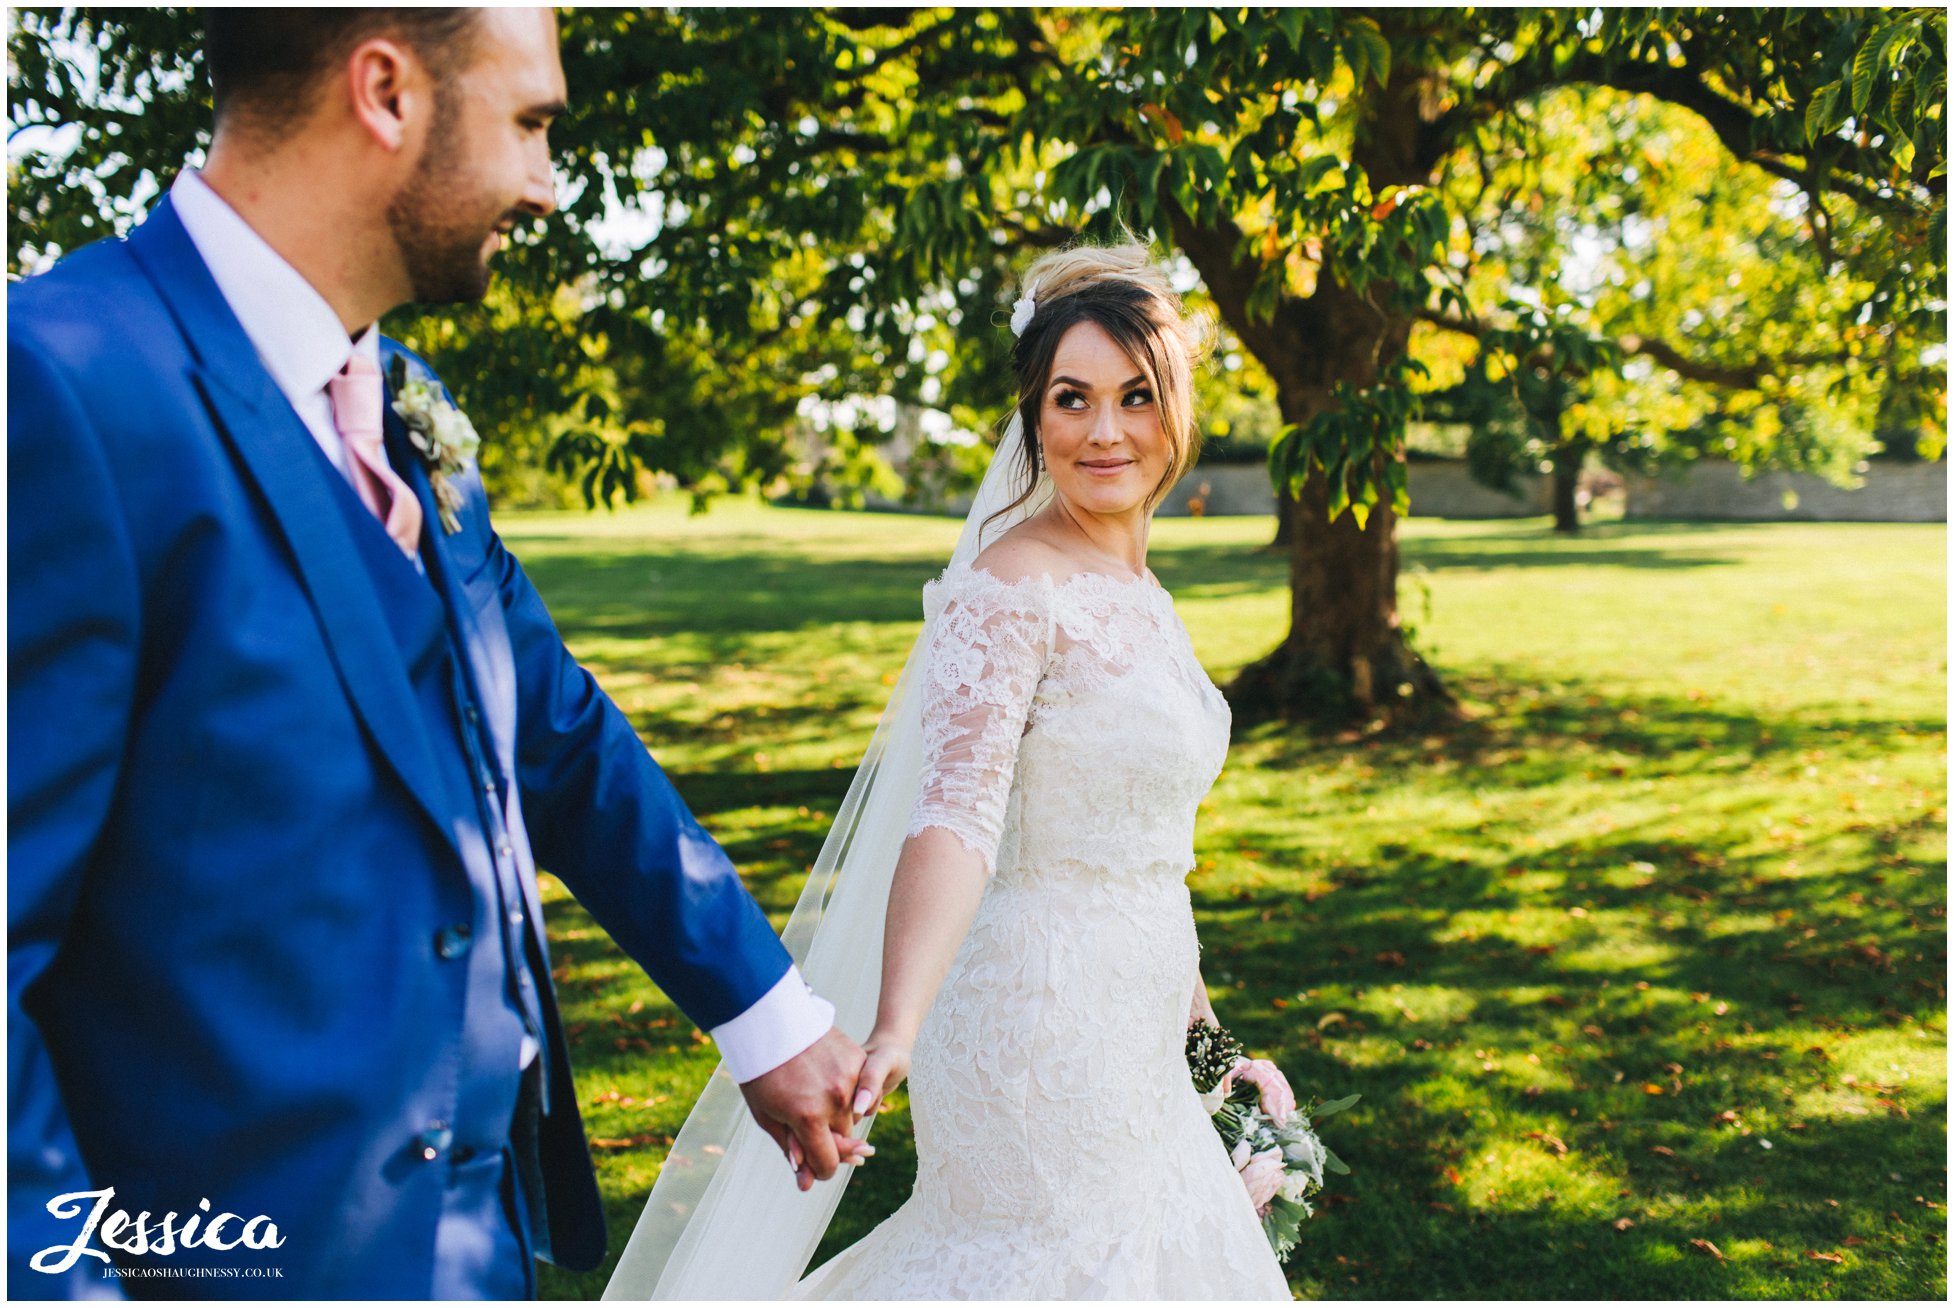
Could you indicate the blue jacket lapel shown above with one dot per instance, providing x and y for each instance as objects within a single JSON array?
[
  {"x": 483, "y": 635},
  {"x": 278, "y": 453}
]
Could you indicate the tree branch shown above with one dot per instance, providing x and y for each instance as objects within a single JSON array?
[
  {"x": 1852, "y": 171},
  {"x": 1745, "y": 377},
  {"x": 1043, "y": 238}
]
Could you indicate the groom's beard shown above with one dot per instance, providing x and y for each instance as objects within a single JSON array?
[{"x": 442, "y": 248}]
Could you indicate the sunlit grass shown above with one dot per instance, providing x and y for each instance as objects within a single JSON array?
[{"x": 1677, "y": 890}]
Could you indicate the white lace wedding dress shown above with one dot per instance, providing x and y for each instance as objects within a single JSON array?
[{"x": 1062, "y": 1152}]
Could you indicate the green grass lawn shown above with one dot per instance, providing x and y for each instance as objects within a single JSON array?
[{"x": 1641, "y": 973}]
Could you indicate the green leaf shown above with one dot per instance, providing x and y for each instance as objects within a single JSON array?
[
  {"x": 1284, "y": 452},
  {"x": 1929, "y": 89},
  {"x": 1870, "y": 64},
  {"x": 1334, "y": 1106},
  {"x": 1314, "y": 171},
  {"x": 1376, "y": 50},
  {"x": 1289, "y": 20},
  {"x": 1821, "y": 115},
  {"x": 1339, "y": 498}
]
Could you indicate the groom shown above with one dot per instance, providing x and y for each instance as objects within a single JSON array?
[{"x": 290, "y": 732}]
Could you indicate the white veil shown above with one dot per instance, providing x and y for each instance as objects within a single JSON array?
[{"x": 725, "y": 1219}]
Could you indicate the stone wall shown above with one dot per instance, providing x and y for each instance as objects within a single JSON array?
[{"x": 1893, "y": 492}]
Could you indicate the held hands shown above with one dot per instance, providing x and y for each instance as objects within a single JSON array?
[
  {"x": 804, "y": 1105},
  {"x": 885, "y": 1067}
]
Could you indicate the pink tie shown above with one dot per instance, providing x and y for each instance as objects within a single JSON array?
[{"x": 356, "y": 396}]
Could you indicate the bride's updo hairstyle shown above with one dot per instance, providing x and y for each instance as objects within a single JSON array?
[{"x": 1120, "y": 289}]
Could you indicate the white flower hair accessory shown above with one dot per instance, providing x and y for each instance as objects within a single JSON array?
[{"x": 1022, "y": 311}]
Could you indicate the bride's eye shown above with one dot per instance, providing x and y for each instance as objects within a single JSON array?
[
  {"x": 1069, "y": 399},
  {"x": 1138, "y": 396}
]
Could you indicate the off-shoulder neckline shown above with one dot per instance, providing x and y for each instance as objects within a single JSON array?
[{"x": 1145, "y": 582}]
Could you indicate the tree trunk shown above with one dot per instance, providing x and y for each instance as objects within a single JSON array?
[
  {"x": 1285, "y": 521},
  {"x": 1568, "y": 460},
  {"x": 1345, "y": 660}
]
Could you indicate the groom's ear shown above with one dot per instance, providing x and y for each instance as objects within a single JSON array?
[{"x": 389, "y": 92}]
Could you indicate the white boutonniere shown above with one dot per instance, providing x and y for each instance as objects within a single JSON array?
[{"x": 443, "y": 435}]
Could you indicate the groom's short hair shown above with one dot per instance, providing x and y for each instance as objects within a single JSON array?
[{"x": 264, "y": 63}]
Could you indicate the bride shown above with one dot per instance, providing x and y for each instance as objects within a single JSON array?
[{"x": 1015, "y": 849}]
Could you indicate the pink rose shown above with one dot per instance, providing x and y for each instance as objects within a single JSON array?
[
  {"x": 1278, "y": 1100},
  {"x": 1262, "y": 1175}
]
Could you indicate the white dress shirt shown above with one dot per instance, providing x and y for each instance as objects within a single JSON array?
[{"x": 303, "y": 345}]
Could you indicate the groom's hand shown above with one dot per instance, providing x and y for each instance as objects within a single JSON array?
[{"x": 804, "y": 1105}]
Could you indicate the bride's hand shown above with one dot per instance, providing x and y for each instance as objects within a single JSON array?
[{"x": 885, "y": 1068}]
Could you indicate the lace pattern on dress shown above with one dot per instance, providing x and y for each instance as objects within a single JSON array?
[{"x": 985, "y": 660}]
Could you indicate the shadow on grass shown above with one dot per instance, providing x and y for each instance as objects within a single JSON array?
[
  {"x": 1513, "y": 735},
  {"x": 651, "y": 594},
  {"x": 1213, "y": 571},
  {"x": 748, "y": 586}
]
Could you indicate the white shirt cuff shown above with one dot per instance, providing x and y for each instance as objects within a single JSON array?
[{"x": 779, "y": 1025}]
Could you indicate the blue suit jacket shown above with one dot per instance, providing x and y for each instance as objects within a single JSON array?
[{"x": 229, "y": 861}]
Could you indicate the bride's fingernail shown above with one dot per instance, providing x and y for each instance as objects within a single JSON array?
[
  {"x": 866, "y": 1151},
  {"x": 862, "y": 1100}
]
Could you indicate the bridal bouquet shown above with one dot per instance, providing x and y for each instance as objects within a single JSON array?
[{"x": 1269, "y": 1138}]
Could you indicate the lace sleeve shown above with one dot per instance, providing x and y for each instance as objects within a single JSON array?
[{"x": 984, "y": 662}]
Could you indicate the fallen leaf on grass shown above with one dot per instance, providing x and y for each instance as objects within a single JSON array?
[
  {"x": 1824, "y": 1257},
  {"x": 1893, "y": 1107},
  {"x": 1622, "y": 1223},
  {"x": 628, "y": 1142},
  {"x": 1707, "y": 1247},
  {"x": 1664, "y": 1150},
  {"x": 1855, "y": 1239},
  {"x": 1553, "y": 1142}
]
